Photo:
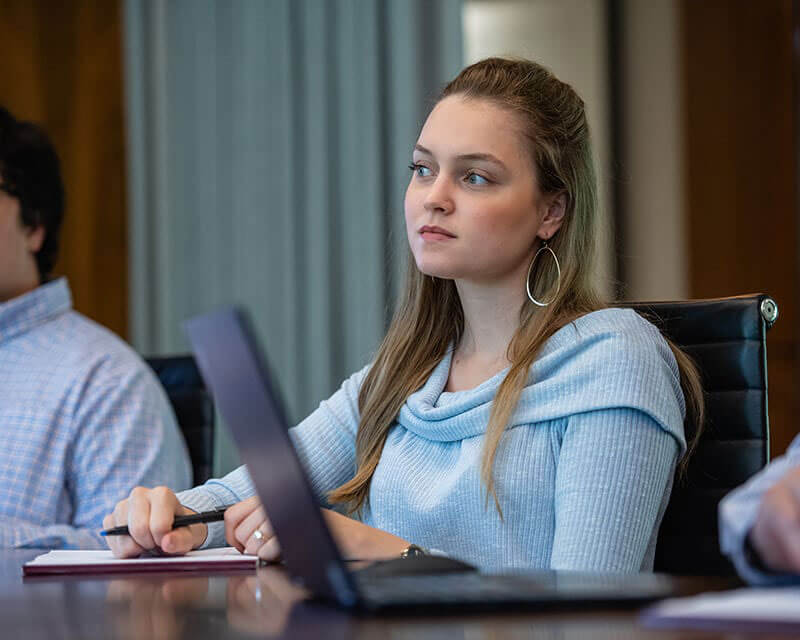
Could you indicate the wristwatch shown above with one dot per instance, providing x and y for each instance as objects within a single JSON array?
[{"x": 413, "y": 551}]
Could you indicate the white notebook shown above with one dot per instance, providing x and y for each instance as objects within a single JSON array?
[
  {"x": 87, "y": 562},
  {"x": 757, "y": 609}
]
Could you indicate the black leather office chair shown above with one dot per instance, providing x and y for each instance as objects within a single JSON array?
[
  {"x": 726, "y": 337},
  {"x": 193, "y": 409}
]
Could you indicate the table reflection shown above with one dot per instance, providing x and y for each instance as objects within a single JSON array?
[
  {"x": 266, "y": 604},
  {"x": 148, "y": 607},
  {"x": 261, "y": 604}
]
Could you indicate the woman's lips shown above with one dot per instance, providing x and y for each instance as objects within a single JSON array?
[{"x": 429, "y": 232}]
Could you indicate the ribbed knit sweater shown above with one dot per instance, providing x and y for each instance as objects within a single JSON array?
[{"x": 583, "y": 472}]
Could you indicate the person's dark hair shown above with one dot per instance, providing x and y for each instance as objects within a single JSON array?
[{"x": 30, "y": 172}]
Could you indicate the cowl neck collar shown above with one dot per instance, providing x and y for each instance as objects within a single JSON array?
[{"x": 606, "y": 359}]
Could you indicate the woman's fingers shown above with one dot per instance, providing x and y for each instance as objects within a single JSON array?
[
  {"x": 178, "y": 541},
  {"x": 164, "y": 507},
  {"x": 242, "y": 520},
  {"x": 149, "y": 515},
  {"x": 270, "y": 550},
  {"x": 247, "y": 527},
  {"x": 254, "y": 531},
  {"x": 234, "y": 517},
  {"x": 139, "y": 518},
  {"x": 121, "y": 546}
]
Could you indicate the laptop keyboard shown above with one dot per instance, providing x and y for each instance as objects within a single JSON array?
[
  {"x": 475, "y": 588},
  {"x": 447, "y": 588}
]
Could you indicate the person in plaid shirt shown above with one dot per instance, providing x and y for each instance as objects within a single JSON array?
[{"x": 83, "y": 420}]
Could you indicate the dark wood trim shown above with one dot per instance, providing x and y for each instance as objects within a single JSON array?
[
  {"x": 740, "y": 67},
  {"x": 62, "y": 68}
]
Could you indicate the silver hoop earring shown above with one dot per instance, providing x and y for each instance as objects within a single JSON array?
[{"x": 544, "y": 247}]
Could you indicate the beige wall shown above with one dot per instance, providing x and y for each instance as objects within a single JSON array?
[
  {"x": 569, "y": 37},
  {"x": 654, "y": 173}
]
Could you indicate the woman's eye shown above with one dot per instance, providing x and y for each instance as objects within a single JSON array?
[
  {"x": 421, "y": 171},
  {"x": 474, "y": 178}
]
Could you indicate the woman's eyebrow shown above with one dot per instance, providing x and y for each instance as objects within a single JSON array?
[{"x": 487, "y": 157}]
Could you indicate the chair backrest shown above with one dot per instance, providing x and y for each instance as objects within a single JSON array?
[
  {"x": 726, "y": 337},
  {"x": 193, "y": 408}
]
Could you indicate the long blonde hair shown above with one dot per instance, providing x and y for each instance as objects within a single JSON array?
[{"x": 429, "y": 317}]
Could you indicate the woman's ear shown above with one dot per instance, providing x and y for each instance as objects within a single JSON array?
[
  {"x": 553, "y": 216},
  {"x": 35, "y": 238}
]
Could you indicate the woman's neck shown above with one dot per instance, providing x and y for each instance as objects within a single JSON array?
[{"x": 491, "y": 317}]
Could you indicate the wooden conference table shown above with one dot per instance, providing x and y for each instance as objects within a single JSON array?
[{"x": 265, "y": 604}]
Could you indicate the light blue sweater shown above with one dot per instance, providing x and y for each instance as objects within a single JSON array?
[{"x": 583, "y": 472}]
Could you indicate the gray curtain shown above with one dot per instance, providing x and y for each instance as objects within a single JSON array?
[{"x": 267, "y": 152}]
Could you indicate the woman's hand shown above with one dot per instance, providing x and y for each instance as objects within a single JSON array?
[
  {"x": 248, "y": 529},
  {"x": 354, "y": 539},
  {"x": 776, "y": 533},
  {"x": 148, "y": 514}
]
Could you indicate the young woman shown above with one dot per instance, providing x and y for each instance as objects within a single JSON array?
[{"x": 508, "y": 418}]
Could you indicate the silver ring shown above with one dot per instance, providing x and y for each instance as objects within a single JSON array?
[{"x": 258, "y": 535}]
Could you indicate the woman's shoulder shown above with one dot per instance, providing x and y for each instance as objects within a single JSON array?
[
  {"x": 610, "y": 335},
  {"x": 617, "y": 321},
  {"x": 610, "y": 358}
]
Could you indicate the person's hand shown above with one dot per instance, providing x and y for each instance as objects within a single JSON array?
[
  {"x": 776, "y": 533},
  {"x": 149, "y": 514},
  {"x": 248, "y": 529}
]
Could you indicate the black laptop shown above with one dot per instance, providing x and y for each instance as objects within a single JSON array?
[{"x": 237, "y": 374}]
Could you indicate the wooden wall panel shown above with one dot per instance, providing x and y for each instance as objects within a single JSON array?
[
  {"x": 62, "y": 68},
  {"x": 742, "y": 222}
]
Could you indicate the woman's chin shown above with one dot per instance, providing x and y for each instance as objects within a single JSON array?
[
  {"x": 443, "y": 269},
  {"x": 444, "y": 274}
]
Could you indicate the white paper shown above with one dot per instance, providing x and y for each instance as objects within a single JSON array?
[
  {"x": 740, "y": 605},
  {"x": 88, "y": 558}
]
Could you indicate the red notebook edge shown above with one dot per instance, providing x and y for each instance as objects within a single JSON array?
[{"x": 235, "y": 564}]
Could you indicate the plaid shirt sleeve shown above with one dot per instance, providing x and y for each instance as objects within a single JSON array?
[{"x": 123, "y": 435}]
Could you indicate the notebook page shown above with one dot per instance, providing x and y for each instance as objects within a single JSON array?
[{"x": 88, "y": 558}]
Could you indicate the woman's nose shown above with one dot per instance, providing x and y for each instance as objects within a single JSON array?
[{"x": 439, "y": 198}]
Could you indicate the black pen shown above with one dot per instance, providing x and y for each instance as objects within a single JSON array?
[{"x": 180, "y": 521}]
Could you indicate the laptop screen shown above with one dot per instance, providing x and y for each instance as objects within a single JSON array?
[{"x": 237, "y": 374}]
